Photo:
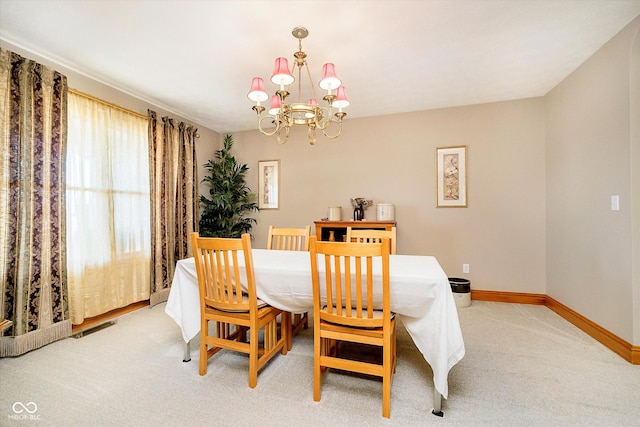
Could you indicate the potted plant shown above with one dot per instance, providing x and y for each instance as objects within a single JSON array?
[{"x": 223, "y": 213}]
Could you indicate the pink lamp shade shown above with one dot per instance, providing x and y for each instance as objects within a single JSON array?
[
  {"x": 341, "y": 100},
  {"x": 281, "y": 74},
  {"x": 314, "y": 103},
  {"x": 257, "y": 92},
  {"x": 329, "y": 79},
  {"x": 274, "y": 109}
]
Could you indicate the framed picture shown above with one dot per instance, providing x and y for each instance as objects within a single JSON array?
[
  {"x": 269, "y": 184},
  {"x": 451, "y": 177}
]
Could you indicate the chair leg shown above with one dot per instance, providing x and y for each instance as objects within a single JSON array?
[
  {"x": 286, "y": 332},
  {"x": 253, "y": 356},
  {"x": 295, "y": 319},
  {"x": 386, "y": 397},
  {"x": 386, "y": 381},
  {"x": 394, "y": 354},
  {"x": 204, "y": 357},
  {"x": 241, "y": 332},
  {"x": 317, "y": 343},
  {"x": 298, "y": 322}
]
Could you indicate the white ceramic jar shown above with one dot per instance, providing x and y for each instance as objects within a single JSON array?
[
  {"x": 335, "y": 213},
  {"x": 386, "y": 212}
]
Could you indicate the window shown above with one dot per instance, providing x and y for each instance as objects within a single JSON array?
[{"x": 108, "y": 207}]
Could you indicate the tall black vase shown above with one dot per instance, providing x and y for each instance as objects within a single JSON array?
[{"x": 358, "y": 214}]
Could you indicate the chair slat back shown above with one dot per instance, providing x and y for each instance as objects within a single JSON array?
[
  {"x": 365, "y": 235},
  {"x": 288, "y": 239},
  {"x": 219, "y": 274},
  {"x": 349, "y": 283}
]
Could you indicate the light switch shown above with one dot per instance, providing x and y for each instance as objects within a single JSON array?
[{"x": 615, "y": 203}]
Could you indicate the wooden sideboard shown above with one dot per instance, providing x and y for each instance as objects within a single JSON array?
[{"x": 325, "y": 230}]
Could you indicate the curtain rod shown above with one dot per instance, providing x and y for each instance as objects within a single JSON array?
[
  {"x": 111, "y": 104},
  {"x": 107, "y": 103}
]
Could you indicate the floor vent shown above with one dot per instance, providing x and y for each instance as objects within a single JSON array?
[{"x": 94, "y": 328}]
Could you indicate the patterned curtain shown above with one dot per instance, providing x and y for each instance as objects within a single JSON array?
[
  {"x": 173, "y": 172},
  {"x": 33, "y": 122}
]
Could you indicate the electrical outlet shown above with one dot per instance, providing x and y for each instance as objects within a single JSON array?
[{"x": 465, "y": 268}]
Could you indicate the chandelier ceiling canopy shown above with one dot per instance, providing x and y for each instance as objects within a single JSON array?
[{"x": 284, "y": 114}]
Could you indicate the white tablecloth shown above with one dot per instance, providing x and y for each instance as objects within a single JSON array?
[{"x": 420, "y": 296}]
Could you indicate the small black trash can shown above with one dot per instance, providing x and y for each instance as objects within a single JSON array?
[{"x": 461, "y": 289}]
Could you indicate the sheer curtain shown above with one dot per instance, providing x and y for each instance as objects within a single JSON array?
[{"x": 108, "y": 211}]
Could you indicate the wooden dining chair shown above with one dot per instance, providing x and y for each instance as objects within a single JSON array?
[
  {"x": 223, "y": 300},
  {"x": 344, "y": 310},
  {"x": 288, "y": 239},
  {"x": 366, "y": 235},
  {"x": 291, "y": 239}
]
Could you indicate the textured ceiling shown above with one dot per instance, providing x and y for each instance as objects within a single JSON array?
[{"x": 196, "y": 58}]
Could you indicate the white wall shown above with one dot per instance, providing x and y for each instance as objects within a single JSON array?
[
  {"x": 590, "y": 156},
  {"x": 390, "y": 159},
  {"x": 635, "y": 182}
]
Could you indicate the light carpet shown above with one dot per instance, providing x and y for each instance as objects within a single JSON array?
[{"x": 524, "y": 365}]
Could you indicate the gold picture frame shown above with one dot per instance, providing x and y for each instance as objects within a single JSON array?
[
  {"x": 451, "y": 177},
  {"x": 269, "y": 184}
]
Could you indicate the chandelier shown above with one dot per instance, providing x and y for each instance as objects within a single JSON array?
[{"x": 283, "y": 115}]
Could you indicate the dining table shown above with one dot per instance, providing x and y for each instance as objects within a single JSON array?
[{"x": 420, "y": 295}]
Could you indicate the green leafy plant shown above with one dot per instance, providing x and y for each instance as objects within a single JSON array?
[{"x": 223, "y": 213}]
